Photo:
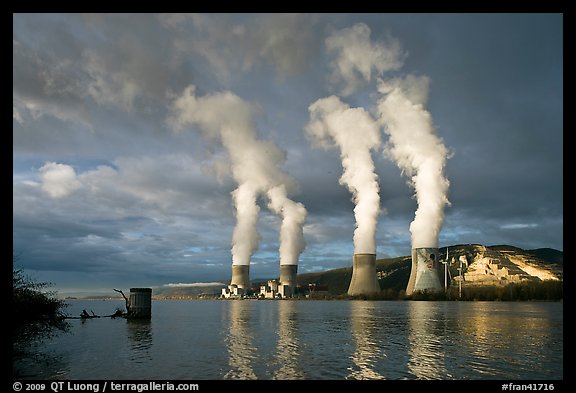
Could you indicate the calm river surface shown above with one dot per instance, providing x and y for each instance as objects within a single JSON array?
[{"x": 252, "y": 339}]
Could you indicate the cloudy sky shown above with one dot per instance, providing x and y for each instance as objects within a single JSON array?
[{"x": 112, "y": 189}]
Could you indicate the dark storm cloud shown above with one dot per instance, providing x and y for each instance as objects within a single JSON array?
[
  {"x": 130, "y": 197},
  {"x": 44, "y": 84}
]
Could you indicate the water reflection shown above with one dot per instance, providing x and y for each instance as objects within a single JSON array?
[
  {"x": 239, "y": 341},
  {"x": 288, "y": 346},
  {"x": 490, "y": 331},
  {"x": 140, "y": 339},
  {"x": 39, "y": 365},
  {"x": 365, "y": 334},
  {"x": 325, "y": 340},
  {"x": 425, "y": 340}
]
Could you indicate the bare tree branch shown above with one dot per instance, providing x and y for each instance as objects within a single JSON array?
[{"x": 125, "y": 299}]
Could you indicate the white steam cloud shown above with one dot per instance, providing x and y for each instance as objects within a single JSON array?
[
  {"x": 413, "y": 143},
  {"x": 228, "y": 120},
  {"x": 293, "y": 217},
  {"x": 355, "y": 133},
  {"x": 418, "y": 151}
]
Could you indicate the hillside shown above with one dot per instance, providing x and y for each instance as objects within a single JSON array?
[{"x": 481, "y": 266}]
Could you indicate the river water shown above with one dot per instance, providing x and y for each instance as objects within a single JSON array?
[{"x": 313, "y": 340}]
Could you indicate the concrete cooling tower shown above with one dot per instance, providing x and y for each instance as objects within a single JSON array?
[
  {"x": 364, "y": 280},
  {"x": 241, "y": 276},
  {"x": 424, "y": 274},
  {"x": 288, "y": 275}
]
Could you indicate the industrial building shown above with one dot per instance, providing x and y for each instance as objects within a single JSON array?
[
  {"x": 282, "y": 288},
  {"x": 233, "y": 291},
  {"x": 276, "y": 290}
]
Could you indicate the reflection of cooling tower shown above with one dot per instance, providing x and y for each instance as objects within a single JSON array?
[
  {"x": 364, "y": 279},
  {"x": 365, "y": 332},
  {"x": 426, "y": 348},
  {"x": 289, "y": 351},
  {"x": 240, "y": 341},
  {"x": 424, "y": 274},
  {"x": 241, "y": 276},
  {"x": 288, "y": 275}
]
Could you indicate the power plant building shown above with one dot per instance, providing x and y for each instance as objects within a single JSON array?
[
  {"x": 423, "y": 277},
  {"x": 232, "y": 291},
  {"x": 275, "y": 290}
]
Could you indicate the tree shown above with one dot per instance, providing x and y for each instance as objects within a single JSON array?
[{"x": 36, "y": 314}]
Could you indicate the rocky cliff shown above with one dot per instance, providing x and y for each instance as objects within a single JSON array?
[{"x": 501, "y": 265}]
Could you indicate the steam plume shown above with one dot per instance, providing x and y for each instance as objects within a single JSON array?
[
  {"x": 357, "y": 58},
  {"x": 413, "y": 144},
  {"x": 228, "y": 120},
  {"x": 418, "y": 151},
  {"x": 333, "y": 123},
  {"x": 293, "y": 217}
]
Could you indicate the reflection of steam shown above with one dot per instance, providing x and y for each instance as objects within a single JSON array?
[
  {"x": 239, "y": 342},
  {"x": 364, "y": 331},
  {"x": 140, "y": 335},
  {"x": 288, "y": 349},
  {"x": 425, "y": 342}
]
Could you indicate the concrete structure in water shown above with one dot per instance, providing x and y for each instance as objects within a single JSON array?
[
  {"x": 424, "y": 273},
  {"x": 364, "y": 280},
  {"x": 241, "y": 276},
  {"x": 140, "y": 303}
]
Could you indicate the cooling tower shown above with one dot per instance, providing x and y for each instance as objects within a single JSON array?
[
  {"x": 424, "y": 274},
  {"x": 241, "y": 276},
  {"x": 364, "y": 279},
  {"x": 288, "y": 275}
]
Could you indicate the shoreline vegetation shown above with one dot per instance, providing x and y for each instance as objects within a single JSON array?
[{"x": 37, "y": 314}]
